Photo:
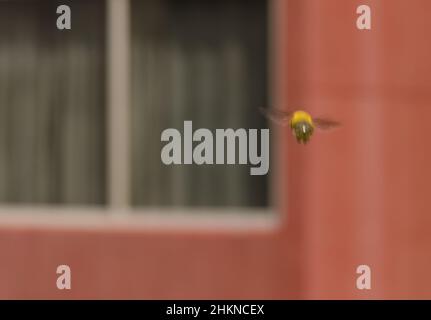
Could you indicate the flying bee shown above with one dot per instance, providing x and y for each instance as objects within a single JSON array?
[{"x": 301, "y": 122}]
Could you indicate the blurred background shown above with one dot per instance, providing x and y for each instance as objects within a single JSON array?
[
  {"x": 203, "y": 61},
  {"x": 53, "y": 105},
  {"x": 82, "y": 183},
  {"x": 82, "y": 112}
]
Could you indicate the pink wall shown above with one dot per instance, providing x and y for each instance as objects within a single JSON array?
[
  {"x": 125, "y": 264},
  {"x": 361, "y": 194}
]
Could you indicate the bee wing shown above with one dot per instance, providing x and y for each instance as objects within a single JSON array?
[
  {"x": 325, "y": 124},
  {"x": 276, "y": 115}
]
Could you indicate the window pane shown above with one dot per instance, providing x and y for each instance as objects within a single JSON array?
[
  {"x": 204, "y": 61},
  {"x": 52, "y": 117}
]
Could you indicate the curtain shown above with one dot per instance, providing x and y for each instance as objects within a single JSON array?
[
  {"x": 52, "y": 103},
  {"x": 204, "y": 61}
]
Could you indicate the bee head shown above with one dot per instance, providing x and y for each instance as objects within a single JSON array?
[{"x": 302, "y": 130}]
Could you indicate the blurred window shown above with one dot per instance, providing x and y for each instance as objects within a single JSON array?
[
  {"x": 52, "y": 103},
  {"x": 199, "y": 60},
  {"x": 204, "y": 61}
]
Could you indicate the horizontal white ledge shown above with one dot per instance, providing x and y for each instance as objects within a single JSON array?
[{"x": 159, "y": 219}]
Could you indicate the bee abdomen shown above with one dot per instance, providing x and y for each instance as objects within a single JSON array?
[{"x": 302, "y": 131}]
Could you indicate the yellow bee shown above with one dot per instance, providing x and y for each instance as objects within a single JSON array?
[{"x": 301, "y": 122}]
